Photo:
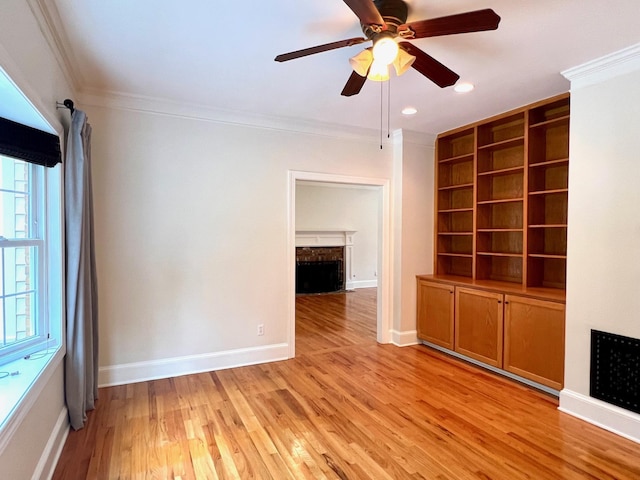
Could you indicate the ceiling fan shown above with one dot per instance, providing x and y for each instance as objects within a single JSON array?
[{"x": 384, "y": 23}]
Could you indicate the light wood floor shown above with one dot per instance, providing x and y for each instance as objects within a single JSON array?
[{"x": 345, "y": 408}]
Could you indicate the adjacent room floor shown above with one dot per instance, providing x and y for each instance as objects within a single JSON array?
[{"x": 344, "y": 408}]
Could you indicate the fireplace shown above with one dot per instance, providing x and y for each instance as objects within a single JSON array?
[
  {"x": 615, "y": 370},
  {"x": 319, "y": 269},
  {"x": 323, "y": 261}
]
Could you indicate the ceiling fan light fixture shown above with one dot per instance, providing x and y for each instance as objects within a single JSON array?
[
  {"x": 385, "y": 49},
  {"x": 361, "y": 62},
  {"x": 379, "y": 72},
  {"x": 403, "y": 62}
]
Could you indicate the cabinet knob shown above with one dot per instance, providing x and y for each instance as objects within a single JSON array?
[{"x": 499, "y": 301}]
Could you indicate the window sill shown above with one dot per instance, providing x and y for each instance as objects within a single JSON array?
[{"x": 19, "y": 392}]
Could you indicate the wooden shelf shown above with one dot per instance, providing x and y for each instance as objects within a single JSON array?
[
  {"x": 456, "y": 210},
  {"x": 511, "y": 142},
  {"x": 549, "y": 163},
  {"x": 549, "y": 192},
  {"x": 557, "y": 225},
  {"x": 503, "y": 200},
  {"x": 502, "y": 171},
  {"x": 459, "y": 158},
  {"x": 454, "y": 187},
  {"x": 464, "y": 255},
  {"x": 506, "y": 179},
  {"x": 553, "y": 121}
]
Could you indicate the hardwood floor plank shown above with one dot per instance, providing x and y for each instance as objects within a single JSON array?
[{"x": 345, "y": 408}]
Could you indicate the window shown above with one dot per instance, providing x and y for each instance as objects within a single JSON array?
[{"x": 23, "y": 316}]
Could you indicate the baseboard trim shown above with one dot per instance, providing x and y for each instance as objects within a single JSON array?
[
  {"x": 601, "y": 414},
  {"x": 177, "y": 366},
  {"x": 355, "y": 284},
  {"x": 52, "y": 451},
  {"x": 404, "y": 339}
]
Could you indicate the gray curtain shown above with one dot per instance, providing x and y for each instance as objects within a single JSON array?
[{"x": 81, "y": 361}]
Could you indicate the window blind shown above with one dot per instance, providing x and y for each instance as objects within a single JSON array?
[{"x": 29, "y": 144}]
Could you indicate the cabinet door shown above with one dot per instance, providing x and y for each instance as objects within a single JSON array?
[
  {"x": 478, "y": 325},
  {"x": 435, "y": 313},
  {"x": 534, "y": 340}
]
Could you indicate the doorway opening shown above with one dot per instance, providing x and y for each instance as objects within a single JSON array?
[{"x": 375, "y": 271}]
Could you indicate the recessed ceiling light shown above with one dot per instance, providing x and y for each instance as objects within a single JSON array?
[
  {"x": 409, "y": 111},
  {"x": 464, "y": 87}
]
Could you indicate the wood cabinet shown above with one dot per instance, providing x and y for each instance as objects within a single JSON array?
[
  {"x": 435, "y": 313},
  {"x": 501, "y": 197},
  {"x": 534, "y": 340},
  {"x": 478, "y": 325},
  {"x": 517, "y": 329}
]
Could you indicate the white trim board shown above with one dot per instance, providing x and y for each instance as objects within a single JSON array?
[
  {"x": 52, "y": 451},
  {"x": 404, "y": 339},
  {"x": 602, "y": 414},
  {"x": 355, "y": 284},
  {"x": 610, "y": 66},
  {"x": 173, "y": 367},
  {"x": 32, "y": 394}
]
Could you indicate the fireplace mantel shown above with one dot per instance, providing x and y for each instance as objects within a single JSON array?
[{"x": 324, "y": 238}]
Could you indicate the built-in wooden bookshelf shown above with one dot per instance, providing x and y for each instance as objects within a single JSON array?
[
  {"x": 455, "y": 199},
  {"x": 498, "y": 289},
  {"x": 501, "y": 201}
]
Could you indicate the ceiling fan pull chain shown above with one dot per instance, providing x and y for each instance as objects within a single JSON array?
[
  {"x": 381, "y": 113},
  {"x": 389, "y": 109}
]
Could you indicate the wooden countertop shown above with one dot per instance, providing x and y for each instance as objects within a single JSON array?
[{"x": 552, "y": 294}]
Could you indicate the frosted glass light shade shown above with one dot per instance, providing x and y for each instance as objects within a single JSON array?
[
  {"x": 403, "y": 62},
  {"x": 361, "y": 62}
]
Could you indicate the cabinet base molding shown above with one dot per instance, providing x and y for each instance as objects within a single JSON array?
[
  {"x": 601, "y": 414},
  {"x": 493, "y": 369}
]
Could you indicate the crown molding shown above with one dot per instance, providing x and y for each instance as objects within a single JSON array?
[
  {"x": 48, "y": 18},
  {"x": 604, "y": 68},
  {"x": 161, "y": 106}
]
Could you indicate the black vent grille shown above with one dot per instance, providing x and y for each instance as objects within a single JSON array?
[{"x": 615, "y": 370}]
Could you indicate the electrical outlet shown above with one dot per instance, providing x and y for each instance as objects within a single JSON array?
[{"x": 261, "y": 329}]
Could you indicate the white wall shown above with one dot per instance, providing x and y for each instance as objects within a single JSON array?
[
  {"x": 191, "y": 228},
  {"x": 417, "y": 220},
  {"x": 27, "y": 58},
  {"x": 413, "y": 226},
  {"x": 603, "y": 270},
  {"x": 341, "y": 208}
]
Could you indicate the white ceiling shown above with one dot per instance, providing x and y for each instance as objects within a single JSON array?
[{"x": 220, "y": 55}]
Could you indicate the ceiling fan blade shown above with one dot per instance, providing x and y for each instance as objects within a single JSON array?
[
  {"x": 430, "y": 67},
  {"x": 366, "y": 11},
  {"x": 319, "y": 48},
  {"x": 477, "y": 21},
  {"x": 354, "y": 85}
]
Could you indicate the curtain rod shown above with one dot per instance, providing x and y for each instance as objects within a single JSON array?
[{"x": 66, "y": 104}]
